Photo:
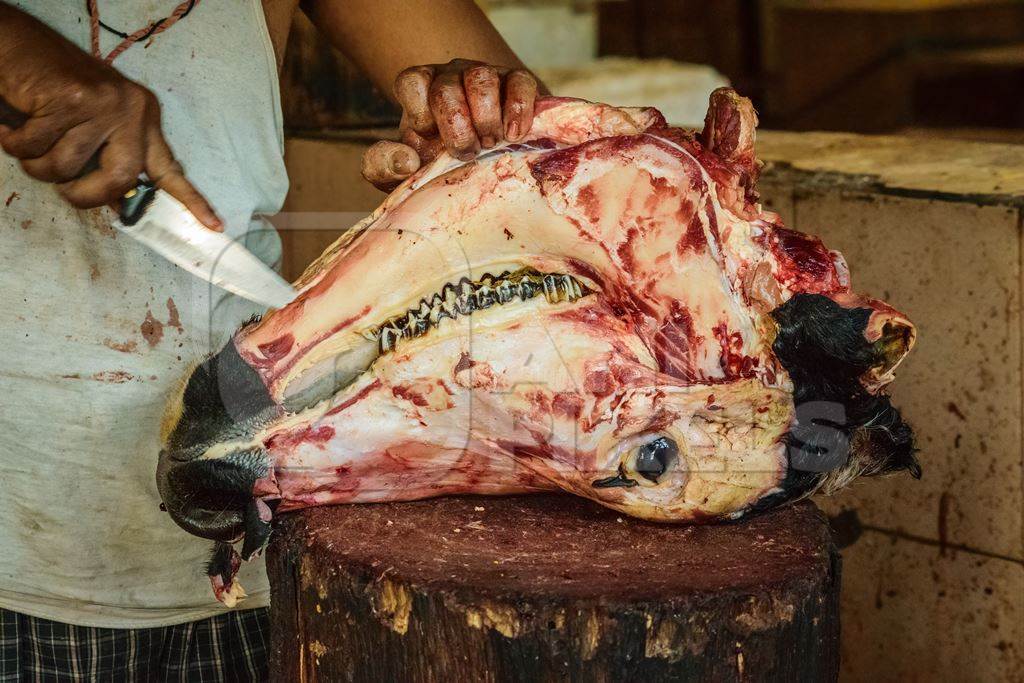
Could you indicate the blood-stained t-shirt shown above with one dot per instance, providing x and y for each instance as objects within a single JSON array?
[{"x": 97, "y": 331}]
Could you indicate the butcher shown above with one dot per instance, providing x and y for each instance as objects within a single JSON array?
[{"x": 96, "y": 583}]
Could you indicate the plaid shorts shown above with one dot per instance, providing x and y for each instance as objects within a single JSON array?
[{"x": 228, "y": 647}]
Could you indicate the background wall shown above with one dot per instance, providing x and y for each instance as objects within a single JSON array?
[
  {"x": 855, "y": 65},
  {"x": 932, "y": 67},
  {"x": 933, "y": 586}
]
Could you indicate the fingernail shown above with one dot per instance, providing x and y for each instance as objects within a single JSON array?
[
  {"x": 513, "y": 130},
  {"x": 467, "y": 156}
]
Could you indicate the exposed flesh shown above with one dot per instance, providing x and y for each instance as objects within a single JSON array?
[
  {"x": 522, "y": 393},
  {"x": 590, "y": 311}
]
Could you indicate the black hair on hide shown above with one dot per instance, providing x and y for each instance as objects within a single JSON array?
[
  {"x": 841, "y": 430},
  {"x": 253, "y": 319},
  {"x": 223, "y": 396}
]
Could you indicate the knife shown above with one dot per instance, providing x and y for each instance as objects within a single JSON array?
[{"x": 163, "y": 224}]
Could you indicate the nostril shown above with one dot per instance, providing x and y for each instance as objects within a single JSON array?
[
  {"x": 213, "y": 525},
  {"x": 209, "y": 497},
  {"x": 894, "y": 343},
  {"x": 210, "y": 485}
]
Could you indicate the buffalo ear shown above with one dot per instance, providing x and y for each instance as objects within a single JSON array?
[
  {"x": 729, "y": 129},
  {"x": 842, "y": 430},
  {"x": 822, "y": 346}
]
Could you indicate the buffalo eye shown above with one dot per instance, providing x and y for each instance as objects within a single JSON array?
[{"x": 655, "y": 457}]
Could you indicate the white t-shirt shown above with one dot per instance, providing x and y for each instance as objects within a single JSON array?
[{"x": 96, "y": 331}]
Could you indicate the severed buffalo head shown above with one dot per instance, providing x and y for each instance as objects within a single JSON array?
[{"x": 603, "y": 309}]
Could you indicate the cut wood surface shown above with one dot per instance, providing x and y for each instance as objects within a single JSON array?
[{"x": 546, "y": 588}]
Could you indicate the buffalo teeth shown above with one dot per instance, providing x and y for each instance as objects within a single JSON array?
[
  {"x": 408, "y": 324},
  {"x": 468, "y": 296},
  {"x": 559, "y": 288},
  {"x": 485, "y": 295},
  {"x": 422, "y": 319},
  {"x": 550, "y": 289},
  {"x": 527, "y": 289},
  {"x": 449, "y": 305},
  {"x": 388, "y": 337},
  {"x": 504, "y": 290},
  {"x": 422, "y": 323},
  {"x": 572, "y": 287},
  {"x": 437, "y": 310},
  {"x": 465, "y": 302}
]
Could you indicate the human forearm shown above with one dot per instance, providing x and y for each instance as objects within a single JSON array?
[
  {"x": 460, "y": 86},
  {"x": 384, "y": 37},
  {"x": 12, "y": 25},
  {"x": 19, "y": 32}
]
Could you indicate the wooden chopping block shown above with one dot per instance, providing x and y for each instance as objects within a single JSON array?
[{"x": 546, "y": 588}]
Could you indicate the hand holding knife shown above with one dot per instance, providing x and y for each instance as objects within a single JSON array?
[{"x": 162, "y": 223}]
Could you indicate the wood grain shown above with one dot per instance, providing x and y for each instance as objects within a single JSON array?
[{"x": 541, "y": 588}]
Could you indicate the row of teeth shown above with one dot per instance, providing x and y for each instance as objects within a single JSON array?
[{"x": 467, "y": 296}]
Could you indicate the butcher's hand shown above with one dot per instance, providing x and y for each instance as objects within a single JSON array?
[
  {"x": 77, "y": 105},
  {"x": 462, "y": 107}
]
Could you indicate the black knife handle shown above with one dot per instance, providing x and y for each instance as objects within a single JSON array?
[{"x": 134, "y": 202}]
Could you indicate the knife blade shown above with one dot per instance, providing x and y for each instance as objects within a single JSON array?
[{"x": 163, "y": 224}]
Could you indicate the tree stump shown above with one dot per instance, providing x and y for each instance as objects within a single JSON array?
[{"x": 550, "y": 588}]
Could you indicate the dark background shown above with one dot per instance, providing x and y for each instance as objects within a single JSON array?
[{"x": 925, "y": 67}]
